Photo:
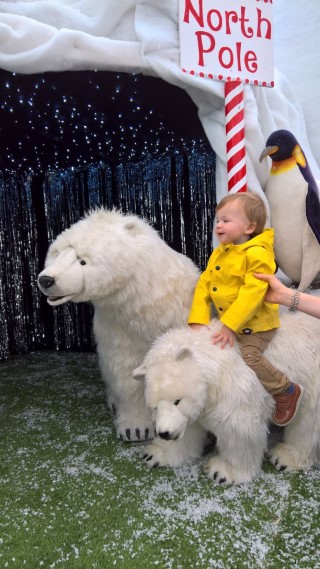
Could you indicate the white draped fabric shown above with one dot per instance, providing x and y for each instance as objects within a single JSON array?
[{"x": 142, "y": 36}]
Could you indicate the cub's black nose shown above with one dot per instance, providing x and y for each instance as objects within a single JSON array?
[
  {"x": 165, "y": 435},
  {"x": 46, "y": 282}
]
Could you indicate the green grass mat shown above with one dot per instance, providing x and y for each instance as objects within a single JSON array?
[{"x": 72, "y": 496}]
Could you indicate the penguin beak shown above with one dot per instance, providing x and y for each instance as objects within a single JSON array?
[{"x": 268, "y": 151}]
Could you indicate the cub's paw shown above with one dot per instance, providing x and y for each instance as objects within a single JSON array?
[
  {"x": 222, "y": 472},
  {"x": 285, "y": 457},
  {"x": 219, "y": 471},
  {"x": 155, "y": 454},
  {"x": 137, "y": 433}
]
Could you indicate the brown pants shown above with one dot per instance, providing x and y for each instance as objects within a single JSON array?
[{"x": 252, "y": 347}]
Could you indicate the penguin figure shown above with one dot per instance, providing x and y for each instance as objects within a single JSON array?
[{"x": 293, "y": 197}]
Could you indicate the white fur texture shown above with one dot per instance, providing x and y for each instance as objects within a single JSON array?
[
  {"x": 193, "y": 386},
  {"x": 139, "y": 287}
]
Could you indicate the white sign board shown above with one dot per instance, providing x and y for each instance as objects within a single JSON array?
[{"x": 227, "y": 40}]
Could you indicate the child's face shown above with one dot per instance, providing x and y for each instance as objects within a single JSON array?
[{"x": 232, "y": 224}]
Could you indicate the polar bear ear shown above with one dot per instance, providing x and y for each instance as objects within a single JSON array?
[
  {"x": 132, "y": 226},
  {"x": 129, "y": 225},
  {"x": 183, "y": 353},
  {"x": 139, "y": 373}
]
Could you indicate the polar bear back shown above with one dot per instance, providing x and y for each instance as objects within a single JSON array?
[{"x": 294, "y": 350}]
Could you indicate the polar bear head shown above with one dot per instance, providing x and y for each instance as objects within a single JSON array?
[
  {"x": 102, "y": 255},
  {"x": 176, "y": 379}
]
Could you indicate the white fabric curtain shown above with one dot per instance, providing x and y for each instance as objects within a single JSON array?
[{"x": 142, "y": 36}]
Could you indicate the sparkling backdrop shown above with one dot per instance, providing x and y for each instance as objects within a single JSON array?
[
  {"x": 70, "y": 141},
  {"x": 58, "y": 120}
]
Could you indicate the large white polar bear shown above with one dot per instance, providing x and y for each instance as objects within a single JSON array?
[
  {"x": 139, "y": 287},
  {"x": 193, "y": 386}
]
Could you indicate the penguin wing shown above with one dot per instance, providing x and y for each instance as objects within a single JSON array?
[
  {"x": 310, "y": 266},
  {"x": 313, "y": 210},
  {"x": 312, "y": 199}
]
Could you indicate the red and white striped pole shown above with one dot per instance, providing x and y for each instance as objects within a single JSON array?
[{"x": 236, "y": 150}]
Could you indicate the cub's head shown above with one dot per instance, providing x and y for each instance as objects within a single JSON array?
[{"x": 175, "y": 387}]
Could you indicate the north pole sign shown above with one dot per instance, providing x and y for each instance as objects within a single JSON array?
[{"x": 227, "y": 40}]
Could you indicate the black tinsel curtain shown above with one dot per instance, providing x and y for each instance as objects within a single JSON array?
[
  {"x": 168, "y": 178},
  {"x": 176, "y": 193}
]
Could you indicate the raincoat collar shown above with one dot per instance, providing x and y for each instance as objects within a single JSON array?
[{"x": 264, "y": 239}]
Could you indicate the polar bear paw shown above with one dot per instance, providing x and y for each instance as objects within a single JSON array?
[
  {"x": 285, "y": 457},
  {"x": 221, "y": 472},
  {"x": 136, "y": 432},
  {"x": 155, "y": 454},
  {"x": 167, "y": 453}
]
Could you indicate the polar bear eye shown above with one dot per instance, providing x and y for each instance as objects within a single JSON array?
[
  {"x": 82, "y": 262},
  {"x": 177, "y": 401}
]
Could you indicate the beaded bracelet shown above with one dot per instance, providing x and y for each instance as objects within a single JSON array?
[{"x": 294, "y": 301}]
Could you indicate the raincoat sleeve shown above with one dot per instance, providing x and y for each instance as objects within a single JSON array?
[
  {"x": 252, "y": 292},
  {"x": 200, "y": 312}
]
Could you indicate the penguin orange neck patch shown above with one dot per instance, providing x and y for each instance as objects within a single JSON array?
[{"x": 283, "y": 166}]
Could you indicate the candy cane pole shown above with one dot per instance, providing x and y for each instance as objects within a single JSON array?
[{"x": 236, "y": 151}]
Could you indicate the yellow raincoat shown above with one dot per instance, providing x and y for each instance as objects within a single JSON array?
[{"x": 228, "y": 282}]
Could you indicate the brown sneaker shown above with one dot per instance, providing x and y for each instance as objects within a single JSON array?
[{"x": 287, "y": 405}]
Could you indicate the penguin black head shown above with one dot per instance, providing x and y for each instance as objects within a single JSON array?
[{"x": 280, "y": 146}]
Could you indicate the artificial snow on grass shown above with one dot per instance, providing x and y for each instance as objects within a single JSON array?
[{"x": 72, "y": 496}]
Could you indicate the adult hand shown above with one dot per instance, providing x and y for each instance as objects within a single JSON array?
[{"x": 276, "y": 291}]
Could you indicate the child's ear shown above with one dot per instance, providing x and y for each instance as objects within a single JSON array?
[{"x": 251, "y": 228}]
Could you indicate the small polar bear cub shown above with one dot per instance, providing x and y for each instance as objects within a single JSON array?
[
  {"x": 194, "y": 387},
  {"x": 192, "y": 392}
]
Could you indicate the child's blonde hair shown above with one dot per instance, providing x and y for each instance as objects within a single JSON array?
[{"x": 253, "y": 207}]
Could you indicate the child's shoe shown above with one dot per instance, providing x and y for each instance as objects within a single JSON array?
[{"x": 287, "y": 405}]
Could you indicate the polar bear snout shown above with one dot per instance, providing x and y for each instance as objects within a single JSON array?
[
  {"x": 170, "y": 423},
  {"x": 168, "y": 436},
  {"x": 46, "y": 282}
]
